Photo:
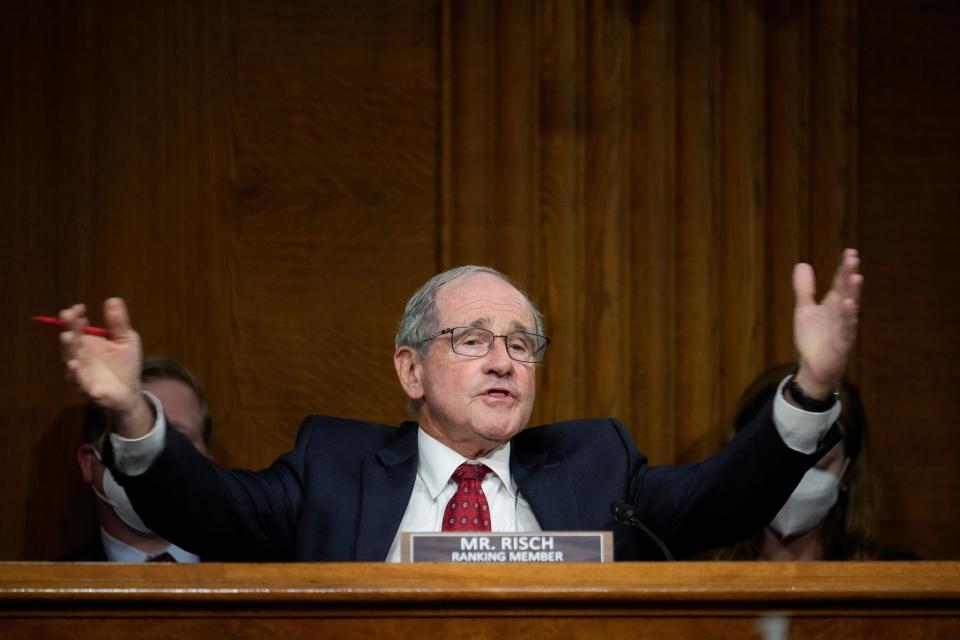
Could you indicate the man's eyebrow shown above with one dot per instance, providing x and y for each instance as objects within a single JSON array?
[
  {"x": 516, "y": 325},
  {"x": 519, "y": 326}
]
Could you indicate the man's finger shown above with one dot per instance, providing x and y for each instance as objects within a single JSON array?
[
  {"x": 115, "y": 316},
  {"x": 804, "y": 284},
  {"x": 66, "y": 346},
  {"x": 849, "y": 265},
  {"x": 855, "y": 287},
  {"x": 70, "y": 314}
]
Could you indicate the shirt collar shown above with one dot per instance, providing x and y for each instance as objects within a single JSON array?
[
  {"x": 438, "y": 462},
  {"x": 117, "y": 551}
]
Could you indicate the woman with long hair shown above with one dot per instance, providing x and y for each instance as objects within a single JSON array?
[{"x": 831, "y": 515}]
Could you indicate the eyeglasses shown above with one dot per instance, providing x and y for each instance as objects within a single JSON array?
[{"x": 475, "y": 342}]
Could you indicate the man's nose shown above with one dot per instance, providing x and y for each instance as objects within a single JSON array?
[{"x": 498, "y": 361}]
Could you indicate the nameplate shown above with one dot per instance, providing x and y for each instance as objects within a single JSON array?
[{"x": 544, "y": 546}]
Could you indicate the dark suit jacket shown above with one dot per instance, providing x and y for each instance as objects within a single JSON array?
[{"x": 342, "y": 491}]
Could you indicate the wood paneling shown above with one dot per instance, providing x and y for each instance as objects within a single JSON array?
[
  {"x": 257, "y": 180},
  {"x": 662, "y": 600},
  {"x": 890, "y": 586},
  {"x": 657, "y": 250},
  {"x": 909, "y": 194},
  {"x": 267, "y": 182}
]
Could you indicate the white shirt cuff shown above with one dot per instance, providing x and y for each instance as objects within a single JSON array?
[
  {"x": 134, "y": 456},
  {"x": 801, "y": 430}
]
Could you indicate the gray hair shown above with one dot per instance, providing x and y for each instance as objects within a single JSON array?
[{"x": 419, "y": 319}]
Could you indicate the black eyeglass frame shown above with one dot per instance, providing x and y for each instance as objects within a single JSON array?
[{"x": 449, "y": 331}]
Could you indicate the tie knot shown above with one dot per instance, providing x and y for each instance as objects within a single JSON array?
[{"x": 468, "y": 471}]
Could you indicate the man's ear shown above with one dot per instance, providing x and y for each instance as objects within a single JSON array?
[
  {"x": 87, "y": 459},
  {"x": 409, "y": 365}
]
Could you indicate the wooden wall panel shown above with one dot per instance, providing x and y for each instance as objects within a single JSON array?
[
  {"x": 666, "y": 255},
  {"x": 267, "y": 182},
  {"x": 257, "y": 180},
  {"x": 107, "y": 218},
  {"x": 741, "y": 220},
  {"x": 652, "y": 295},
  {"x": 331, "y": 224},
  {"x": 787, "y": 168},
  {"x": 558, "y": 284},
  {"x": 910, "y": 229},
  {"x": 696, "y": 276},
  {"x": 606, "y": 172}
]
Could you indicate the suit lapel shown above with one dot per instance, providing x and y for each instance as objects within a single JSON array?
[
  {"x": 388, "y": 479},
  {"x": 547, "y": 486}
]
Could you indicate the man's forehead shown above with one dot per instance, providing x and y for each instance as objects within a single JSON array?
[{"x": 484, "y": 300}]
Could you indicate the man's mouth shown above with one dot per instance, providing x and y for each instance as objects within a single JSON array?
[{"x": 498, "y": 393}]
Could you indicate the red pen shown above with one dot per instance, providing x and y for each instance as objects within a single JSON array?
[{"x": 57, "y": 322}]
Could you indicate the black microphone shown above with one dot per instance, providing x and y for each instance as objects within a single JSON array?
[{"x": 626, "y": 514}]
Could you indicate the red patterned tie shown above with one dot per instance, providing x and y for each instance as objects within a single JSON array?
[{"x": 468, "y": 509}]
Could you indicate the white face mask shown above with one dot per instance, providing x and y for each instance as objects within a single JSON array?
[
  {"x": 809, "y": 503},
  {"x": 117, "y": 498}
]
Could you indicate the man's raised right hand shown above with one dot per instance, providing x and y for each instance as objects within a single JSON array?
[{"x": 107, "y": 370}]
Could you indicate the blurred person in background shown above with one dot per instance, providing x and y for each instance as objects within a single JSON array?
[
  {"x": 123, "y": 537},
  {"x": 831, "y": 515}
]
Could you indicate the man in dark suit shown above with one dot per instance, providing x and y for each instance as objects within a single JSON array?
[
  {"x": 122, "y": 534},
  {"x": 466, "y": 356}
]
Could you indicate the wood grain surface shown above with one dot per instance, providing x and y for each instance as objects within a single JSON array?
[
  {"x": 908, "y": 584},
  {"x": 677, "y": 600}
]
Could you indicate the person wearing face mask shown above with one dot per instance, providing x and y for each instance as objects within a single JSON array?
[
  {"x": 831, "y": 515},
  {"x": 123, "y": 536}
]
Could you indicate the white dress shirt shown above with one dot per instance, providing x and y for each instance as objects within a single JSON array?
[
  {"x": 434, "y": 487},
  {"x": 118, "y": 551}
]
